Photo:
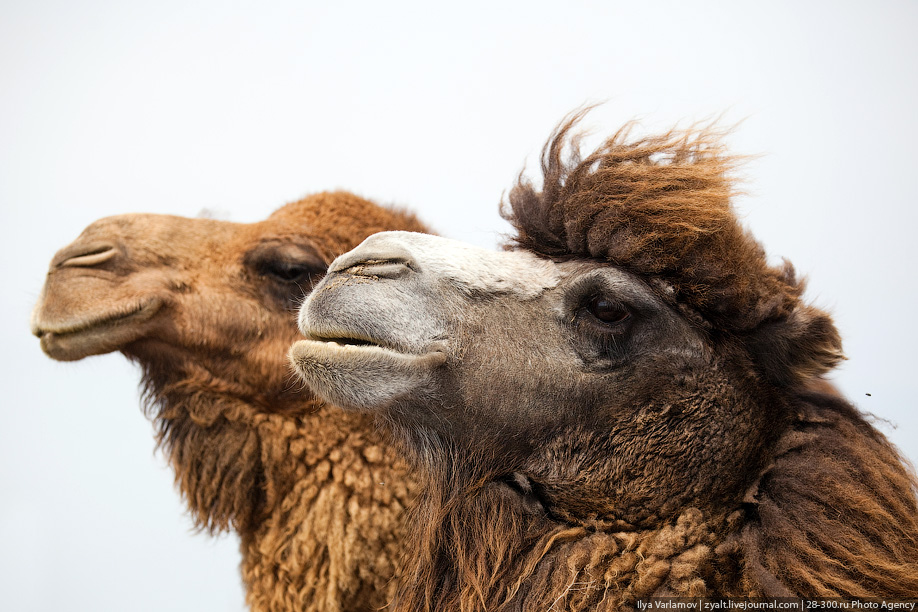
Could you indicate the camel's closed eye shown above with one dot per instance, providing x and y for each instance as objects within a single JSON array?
[
  {"x": 287, "y": 271},
  {"x": 291, "y": 269}
]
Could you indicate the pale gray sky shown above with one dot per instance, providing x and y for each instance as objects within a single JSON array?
[{"x": 240, "y": 107}]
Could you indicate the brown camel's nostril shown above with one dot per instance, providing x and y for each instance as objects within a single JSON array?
[{"x": 87, "y": 255}]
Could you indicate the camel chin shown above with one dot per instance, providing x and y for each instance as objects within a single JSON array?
[
  {"x": 76, "y": 339},
  {"x": 341, "y": 373}
]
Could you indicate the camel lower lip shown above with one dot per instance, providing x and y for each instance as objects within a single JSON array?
[
  {"x": 362, "y": 376},
  {"x": 143, "y": 310},
  {"x": 349, "y": 347},
  {"x": 75, "y": 340}
]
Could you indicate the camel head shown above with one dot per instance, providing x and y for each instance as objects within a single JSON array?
[
  {"x": 626, "y": 361},
  {"x": 561, "y": 373},
  {"x": 174, "y": 292}
]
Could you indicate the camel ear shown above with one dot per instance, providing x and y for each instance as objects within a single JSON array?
[{"x": 798, "y": 347}]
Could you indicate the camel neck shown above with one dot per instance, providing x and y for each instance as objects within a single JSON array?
[{"x": 493, "y": 558}]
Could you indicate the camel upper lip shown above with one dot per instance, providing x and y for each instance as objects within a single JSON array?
[{"x": 136, "y": 312}]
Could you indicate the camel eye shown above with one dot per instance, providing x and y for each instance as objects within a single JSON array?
[
  {"x": 285, "y": 262},
  {"x": 607, "y": 311},
  {"x": 283, "y": 270},
  {"x": 287, "y": 271}
]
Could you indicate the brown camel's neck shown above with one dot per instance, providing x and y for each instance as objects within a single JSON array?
[
  {"x": 316, "y": 493},
  {"x": 217, "y": 435}
]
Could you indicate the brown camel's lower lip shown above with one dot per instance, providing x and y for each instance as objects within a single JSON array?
[{"x": 77, "y": 339}]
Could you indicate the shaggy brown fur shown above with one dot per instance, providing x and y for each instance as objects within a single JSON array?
[
  {"x": 316, "y": 494},
  {"x": 834, "y": 512},
  {"x": 659, "y": 206},
  {"x": 481, "y": 551}
]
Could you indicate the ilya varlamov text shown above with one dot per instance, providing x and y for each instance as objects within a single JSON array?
[{"x": 673, "y": 603}]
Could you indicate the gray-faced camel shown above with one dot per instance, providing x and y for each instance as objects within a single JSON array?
[
  {"x": 208, "y": 309},
  {"x": 623, "y": 405}
]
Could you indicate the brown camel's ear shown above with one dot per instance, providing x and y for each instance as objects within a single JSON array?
[{"x": 797, "y": 347}]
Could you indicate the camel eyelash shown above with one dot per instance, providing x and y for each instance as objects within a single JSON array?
[
  {"x": 599, "y": 339},
  {"x": 600, "y": 309},
  {"x": 607, "y": 311}
]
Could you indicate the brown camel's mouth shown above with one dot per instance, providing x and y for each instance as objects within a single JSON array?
[{"x": 78, "y": 338}]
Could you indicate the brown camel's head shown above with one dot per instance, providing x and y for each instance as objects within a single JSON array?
[{"x": 168, "y": 290}]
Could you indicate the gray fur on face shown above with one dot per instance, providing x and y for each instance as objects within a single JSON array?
[
  {"x": 470, "y": 343},
  {"x": 381, "y": 320}
]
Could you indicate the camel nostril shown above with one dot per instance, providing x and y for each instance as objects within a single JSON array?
[
  {"x": 379, "y": 268},
  {"x": 379, "y": 256},
  {"x": 88, "y": 256}
]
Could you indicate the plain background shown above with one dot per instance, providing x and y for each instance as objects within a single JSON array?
[{"x": 240, "y": 107}]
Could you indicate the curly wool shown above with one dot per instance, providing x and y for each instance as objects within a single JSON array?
[
  {"x": 332, "y": 542},
  {"x": 318, "y": 500},
  {"x": 317, "y": 494},
  {"x": 480, "y": 554}
]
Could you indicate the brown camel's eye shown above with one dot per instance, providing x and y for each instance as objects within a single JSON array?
[
  {"x": 607, "y": 311},
  {"x": 287, "y": 271},
  {"x": 286, "y": 262}
]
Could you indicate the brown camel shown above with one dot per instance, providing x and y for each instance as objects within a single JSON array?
[
  {"x": 208, "y": 310},
  {"x": 623, "y": 406}
]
